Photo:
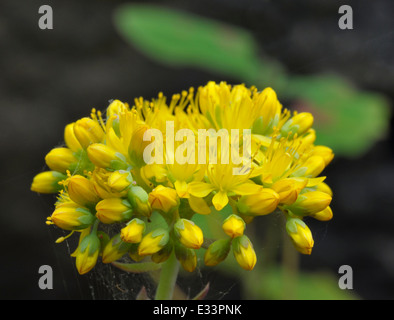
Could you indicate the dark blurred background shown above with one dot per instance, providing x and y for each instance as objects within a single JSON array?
[{"x": 49, "y": 78}]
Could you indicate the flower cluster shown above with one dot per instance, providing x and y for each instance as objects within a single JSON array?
[{"x": 102, "y": 176}]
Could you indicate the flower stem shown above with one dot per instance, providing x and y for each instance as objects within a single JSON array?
[
  {"x": 168, "y": 276},
  {"x": 290, "y": 263}
]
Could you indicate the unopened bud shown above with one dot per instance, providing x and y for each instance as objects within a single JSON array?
[
  {"x": 300, "y": 235},
  {"x": 217, "y": 252}
]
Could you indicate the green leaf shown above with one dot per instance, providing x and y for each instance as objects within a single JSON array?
[
  {"x": 346, "y": 120},
  {"x": 202, "y": 294},
  {"x": 182, "y": 39}
]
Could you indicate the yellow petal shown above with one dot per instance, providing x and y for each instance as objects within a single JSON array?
[
  {"x": 247, "y": 188},
  {"x": 220, "y": 200},
  {"x": 199, "y": 205},
  {"x": 200, "y": 189},
  {"x": 181, "y": 188}
]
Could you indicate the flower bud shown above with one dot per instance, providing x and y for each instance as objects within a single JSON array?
[
  {"x": 115, "y": 249},
  {"x": 133, "y": 253},
  {"x": 300, "y": 123},
  {"x": 120, "y": 180},
  {"x": 87, "y": 253},
  {"x": 153, "y": 242},
  {"x": 88, "y": 131},
  {"x": 113, "y": 210},
  {"x": 270, "y": 109},
  {"x": 47, "y": 182},
  {"x": 324, "y": 187},
  {"x": 244, "y": 252},
  {"x": 300, "y": 235},
  {"x": 71, "y": 216},
  {"x": 163, "y": 254},
  {"x": 139, "y": 198},
  {"x": 325, "y": 152},
  {"x": 164, "y": 199},
  {"x": 138, "y": 145},
  {"x": 288, "y": 189},
  {"x": 217, "y": 252},
  {"x": 187, "y": 257},
  {"x": 70, "y": 138},
  {"x": 234, "y": 226},
  {"x": 60, "y": 159},
  {"x": 258, "y": 204},
  {"x": 115, "y": 108},
  {"x": 188, "y": 233},
  {"x": 132, "y": 233},
  {"x": 105, "y": 157},
  {"x": 324, "y": 215},
  {"x": 309, "y": 137},
  {"x": 81, "y": 191},
  {"x": 310, "y": 203},
  {"x": 311, "y": 168}
]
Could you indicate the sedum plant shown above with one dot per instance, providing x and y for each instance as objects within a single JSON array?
[{"x": 151, "y": 167}]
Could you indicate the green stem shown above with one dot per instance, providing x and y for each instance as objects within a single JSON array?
[{"x": 168, "y": 276}]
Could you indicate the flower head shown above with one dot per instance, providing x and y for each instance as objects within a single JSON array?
[{"x": 139, "y": 178}]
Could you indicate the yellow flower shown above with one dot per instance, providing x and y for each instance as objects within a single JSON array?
[
  {"x": 153, "y": 242},
  {"x": 132, "y": 233},
  {"x": 310, "y": 203},
  {"x": 88, "y": 131},
  {"x": 60, "y": 159},
  {"x": 139, "y": 199},
  {"x": 105, "y": 157},
  {"x": 187, "y": 257},
  {"x": 244, "y": 252},
  {"x": 163, "y": 254},
  {"x": 113, "y": 210},
  {"x": 324, "y": 215},
  {"x": 100, "y": 179},
  {"x": 107, "y": 173},
  {"x": 87, "y": 253},
  {"x": 47, "y": 182},
  {"x": 163, "y": 198},
  {"x": 324, "y": 187},
  {"x": 188, "y": 233},
  {"x": 230, "y": 107},
  {"x": 138, "y": 145},
  {"x": 311, "y": 168},
  {"x": 223, "y": 182},
  {"x": 70, "y": 139},
  {"x": 115, "y": 249},
  {"x": 261, "y": 203},
  {"x": 71, "y": 216},
  {"x": 300, "y": 235},
  {"x": 217, "y": 252},
  {"x": 120, "y": 180},
  {"x": 81, "y": 191},
  {"x": 269, "y": 112},
  {"x": 234, "y": 226},
  {"x": 299, "y": 123},
  {"x": 115, "y": 108},
  {"x": 288, "y": 189},
  {"x": 325, "y": 152}
]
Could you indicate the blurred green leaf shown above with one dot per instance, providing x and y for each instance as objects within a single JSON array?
[
  {"x": 347, "y": 120},
  {"x": 181, "y": 39}
]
